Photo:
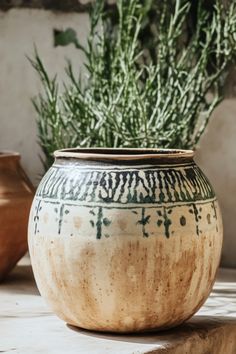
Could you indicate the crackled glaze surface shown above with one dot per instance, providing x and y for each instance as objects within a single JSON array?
[{"x": 125, "y": 246}]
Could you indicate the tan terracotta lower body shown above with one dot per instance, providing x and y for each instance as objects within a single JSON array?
[{"x": 126, "y": 283}]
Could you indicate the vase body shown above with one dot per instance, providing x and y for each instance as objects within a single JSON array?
[
  {"x": 125, "y": 240},
  {"x": 16, "y": 194}
]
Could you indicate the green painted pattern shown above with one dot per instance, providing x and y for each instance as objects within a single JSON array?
[
  {"x": 154, "y": 185},
  {"x": 163, "y": 188}
]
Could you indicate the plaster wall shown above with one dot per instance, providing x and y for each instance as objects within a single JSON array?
[
  {"x": 217, "y": 157},
  {"x": 19, "y": 31}
]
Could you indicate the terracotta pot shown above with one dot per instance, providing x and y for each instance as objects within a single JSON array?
[
  {"x": 16, "y": 194},
  {"x": 125, "y": 240}
]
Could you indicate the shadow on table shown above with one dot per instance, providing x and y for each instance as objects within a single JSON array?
[
  {"x": 21, "y": 281},
  {"x": 199, "y": 325}
]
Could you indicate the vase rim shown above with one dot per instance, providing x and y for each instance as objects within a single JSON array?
[
  {"x": 124, "y": 154},
  {"x": 9, "y": 154}
]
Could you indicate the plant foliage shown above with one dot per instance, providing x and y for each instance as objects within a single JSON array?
[{"x": 153, "y": 77}]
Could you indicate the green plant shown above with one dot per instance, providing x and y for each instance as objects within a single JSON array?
[{"x": 134, "y": 93}]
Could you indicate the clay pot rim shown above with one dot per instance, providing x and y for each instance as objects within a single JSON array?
[
  {"x": 7, "y": 154},
  {"x": 125, "y": 154}
]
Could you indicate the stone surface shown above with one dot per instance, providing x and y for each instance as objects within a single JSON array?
[{"x": 27, "y": 326}]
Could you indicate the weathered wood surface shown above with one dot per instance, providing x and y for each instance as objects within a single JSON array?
[{"x": 27, "y": 325}]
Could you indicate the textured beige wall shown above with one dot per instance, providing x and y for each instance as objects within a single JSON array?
[
  {"x": 19, "y": 30},
  {"x": 217, "y": 157}
]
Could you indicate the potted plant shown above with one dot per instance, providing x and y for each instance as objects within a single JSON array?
[
  {"x": 129, "y": 233},
  {"x": 141, "y": 88}
]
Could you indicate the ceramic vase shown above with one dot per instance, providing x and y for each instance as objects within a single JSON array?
[
  {"x": 16, "y": 195},
  {"x": 125, "y": 240}
]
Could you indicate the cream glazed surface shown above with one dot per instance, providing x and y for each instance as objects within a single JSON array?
[{"x": 125, "y": 240}]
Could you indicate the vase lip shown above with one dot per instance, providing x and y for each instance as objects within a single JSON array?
[
  {"x": 124, "y": 154},
  {"x": 6, "y": 154}
]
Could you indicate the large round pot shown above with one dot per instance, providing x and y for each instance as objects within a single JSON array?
[
  {"x": 125, "y": 240},
  {"x": 16, "y": 195}
]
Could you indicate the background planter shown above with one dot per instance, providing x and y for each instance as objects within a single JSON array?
[
  {"x": 125, "y": 240},
  {"x": 16, "y": 194}
]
